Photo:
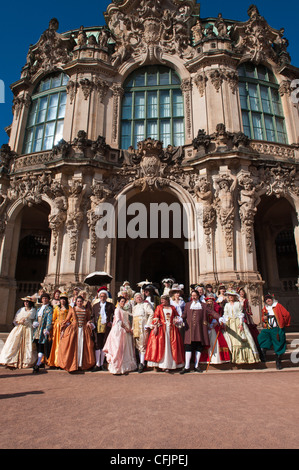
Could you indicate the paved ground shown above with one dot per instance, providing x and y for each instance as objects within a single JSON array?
[{"x": 214, "y": 410}]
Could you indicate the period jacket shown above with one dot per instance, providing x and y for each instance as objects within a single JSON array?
[
  {"x": 45, "y": 324},
  {"x": 156, "y": 343},
  {"x": 101, "y": 331},
  {"x": 282, "y": 316},
  {"x": 196, "y": 324}
]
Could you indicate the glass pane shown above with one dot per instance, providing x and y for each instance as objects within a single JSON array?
[
  {"x": 28, "y": 140},
  {"x": 65, "y": 79},
  {"x": 56, "y": 81},
  {"x": 59, "y": 132},
  {"x": 152, "y": 79},
  {"x": 241, "y": 71},
  {"x": 37, "y": 144},
  {"x": 178, "y": 106},
  {"x": 140, "y": 79},
  {"x": 270, "y": 133},
  {"x": 175, "y": 79},
  {"x": 246, "y": 124},
  {"x": 152, "y": 104},
  {"x": 45, "y": 84},
  {"x": 126, "y": 135},
  {"x": 262, "y": 73},
  {"x": 138, "y": 133},
  {"x": 165, "y": 132},
  {"x": 52, "y": 110},
  {"x": 281, "y": 135},
  {"x": 152, "y": 129},
  {"x": 139, "y": 109},
  {"x": 32, "y": 115},
  {"x": 41, "y": 116},
  {"x": 127, "y": 106},
  {"x": 277, "y": 108},
  {"x": 164, "y": 104},
  {"x": 265, "y": 99},
  {"x": 257, "y": 126},
  {"x": 253, "y": 94},
  {"x": 178, "y": 132},
  {"x": 250, "y": 70},
  {"x": 164, "y": 78}
]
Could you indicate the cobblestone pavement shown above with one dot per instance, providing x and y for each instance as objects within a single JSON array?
[{"x": 153, "y": 410}]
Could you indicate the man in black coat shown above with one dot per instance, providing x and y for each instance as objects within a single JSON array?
[{"x": 102, "y": 317}]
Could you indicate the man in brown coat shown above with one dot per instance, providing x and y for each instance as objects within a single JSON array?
[
  {"x": 196, "y": 331},
  {"x": 102, "y": 317}
]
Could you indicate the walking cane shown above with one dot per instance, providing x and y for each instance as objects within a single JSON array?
[{"x": 213, "y": 350}]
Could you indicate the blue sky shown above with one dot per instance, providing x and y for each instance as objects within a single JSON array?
[{"x": 22, "y": 23}]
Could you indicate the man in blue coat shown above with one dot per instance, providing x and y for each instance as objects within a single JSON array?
[{"x": 42, "y": 326}]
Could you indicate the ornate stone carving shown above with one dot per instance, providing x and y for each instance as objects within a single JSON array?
[
  {"x": 186, "y": 88},
  {"x": 19, "y": 102},
  {"x": 30, "y": 187},
  {"x": 204, "y": 195},
  {"x": 117, "y": 92},
  {"x": 71, "y": 89},
  {"x": 256, "y": 41},
  {"x": 216, "y": 78},
  {"x": 225, "y": 186},
  {"x": 200, "y": 81},
  {"x": 6, "y": 157},
  {"x": 99, "y": 194},
  {"x": 248, "y": 202},
  {"x": 221, "y": 26},
  {"x": 58, "y": 214},
  {"x": 74, "y": 219},
  {"x": 52, "y": 49},
  {"x": 148, "y": 30}
]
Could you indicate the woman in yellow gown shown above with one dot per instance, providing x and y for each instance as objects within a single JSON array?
[{"x": 59, "y": 316}]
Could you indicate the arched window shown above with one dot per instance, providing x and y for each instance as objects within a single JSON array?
[
  {"x": 262, "y": 112},
  {"x": 153, "y": 107},
  {"x": 45, "y": 121}
]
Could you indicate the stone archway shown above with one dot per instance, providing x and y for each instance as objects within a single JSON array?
[
  {"x": 33, "y": 250},
  {"x": 151, "y": 257},
  {"x": 276, "y": 252}
]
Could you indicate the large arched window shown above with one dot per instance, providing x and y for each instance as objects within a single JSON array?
[
  {"x": 153, "y": 107},
  {"x": 262, "y": 112},
  {"x": 45, "y": 121}
]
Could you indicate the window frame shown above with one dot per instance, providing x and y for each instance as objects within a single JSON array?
[
  {"x": 132, "y": 90},
  {"x": 35, "y": 126},
  {"x": 270, "y": 83}
]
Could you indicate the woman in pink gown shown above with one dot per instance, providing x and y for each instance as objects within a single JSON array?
[{"x": 119, "y": 349}]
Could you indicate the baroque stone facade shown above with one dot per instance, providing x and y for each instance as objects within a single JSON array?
[{"x": 241, "y": 191}]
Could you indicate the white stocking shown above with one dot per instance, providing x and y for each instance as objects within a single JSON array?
[
  {"x": 197, "y": 358},
  {"x": 188, "y": 355},
  {"x": 141, "y": 357},
  {"x": 98, "y": 356},
  {"x": 39, "y": 358}
]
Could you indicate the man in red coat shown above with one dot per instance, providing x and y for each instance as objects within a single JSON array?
[
  {"x": 275, "y": 318},
  {"x": 196, "y": 331}
]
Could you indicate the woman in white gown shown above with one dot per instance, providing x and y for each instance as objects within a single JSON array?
[
  {"x": 120, "y": 354},
  {"x": 18, "y": 351},
  {"x": 239, "y": 339}
]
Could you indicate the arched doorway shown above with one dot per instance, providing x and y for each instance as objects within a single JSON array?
[
  {"x": 154, "y": 257},
  {"x": 277, "y": 257},
  {"x": 33, "y": 250}
]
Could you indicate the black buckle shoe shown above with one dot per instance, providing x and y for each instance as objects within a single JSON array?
[
  {"x": 140, "y": 368},
  {"x": 184, "y": 371}
]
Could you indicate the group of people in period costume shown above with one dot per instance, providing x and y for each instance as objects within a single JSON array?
[{"x": 165, "y": 330}]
